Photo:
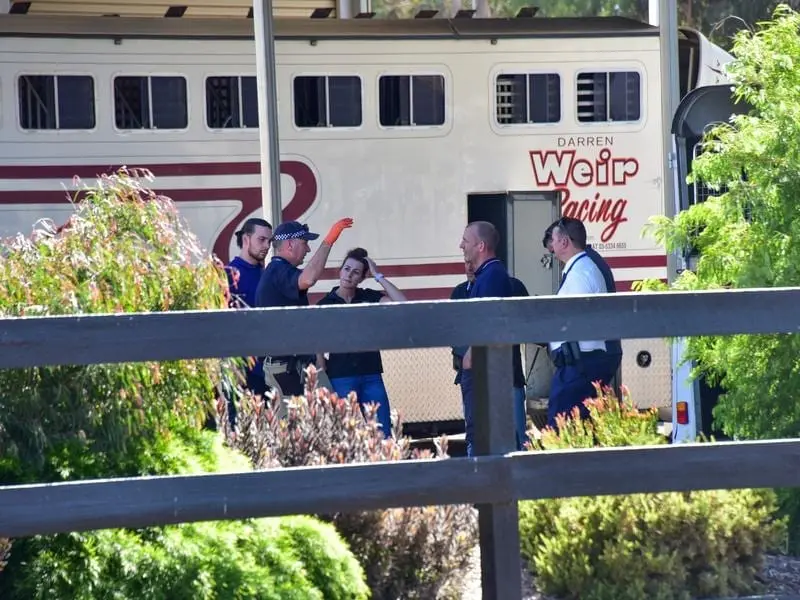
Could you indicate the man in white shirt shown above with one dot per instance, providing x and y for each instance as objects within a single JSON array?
[{"x": 578, "y": 364}]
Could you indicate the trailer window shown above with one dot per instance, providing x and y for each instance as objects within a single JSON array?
[
  {"x": 411, "y": 100},
  {"x": 231, "y": 102},
  {"x": 604, "y": 97},
  {"x": 528, "y": 98},
  {"x": 327, "y": 101},
  {"x": 56, "y": 102},
  {"x": 154, "y": 102}
]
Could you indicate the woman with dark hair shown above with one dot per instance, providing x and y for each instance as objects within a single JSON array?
[{"x": 360, "y": 372}]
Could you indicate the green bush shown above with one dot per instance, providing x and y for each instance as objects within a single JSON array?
[
  {"x": 263, "y": 559},
  {"x": 660, "y": 546},
  {"x": 416, "y": 552},
  {"x": 125, "y": 249}
]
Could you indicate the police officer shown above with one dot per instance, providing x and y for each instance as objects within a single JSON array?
[
  {"x": 578, "y": 363},
  {"x": 283, "y": 284},
  {"x": 613, "y": 347}
]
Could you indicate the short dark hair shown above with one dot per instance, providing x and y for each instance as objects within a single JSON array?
[
  {"x": 487, "y": 233},
  {"x": 249, "y": 227},
  {"x": 360, "y": 255},
  {"x": 574, "y": 229},
  {"x": 548, "y": 234}
]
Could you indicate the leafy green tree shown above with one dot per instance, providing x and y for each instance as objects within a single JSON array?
[{"x": 748, "y": 236}]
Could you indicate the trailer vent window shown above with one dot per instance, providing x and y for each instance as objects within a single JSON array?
[
  {"x": 155, "y": 102},
  {"x": 231, "y": 102},
  {"x": 327, "y": 101},
  {"x": 56, "y": 102},
  {"x": 528, "y": 98},
  {"x": 411, "y": 100},
  {"x": 606, "y": 97}
]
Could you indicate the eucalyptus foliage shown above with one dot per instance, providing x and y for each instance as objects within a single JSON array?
[{"x": 749, "y": 236}]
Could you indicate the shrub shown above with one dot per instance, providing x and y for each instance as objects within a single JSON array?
[
  {"x": 124, "y": 249},
  {"x": 669, "y": 545},
  {"x": 408, "y": 553},
  {"x": 262, "y": 559},
  {"x": 5, "y": 551}
]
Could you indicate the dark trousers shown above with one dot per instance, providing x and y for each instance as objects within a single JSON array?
[
  {"x": 572, "y": 384},
  {"x": 290, "y": 383},
  {"x": 468, "y": 403}
]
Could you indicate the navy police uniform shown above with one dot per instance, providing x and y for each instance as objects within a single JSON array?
[
  {"x": 279, "y": 286},
  {"x": 579, "y": 364}
]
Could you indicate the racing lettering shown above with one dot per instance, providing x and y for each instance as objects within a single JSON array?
[{"x": 563, "y": 171}]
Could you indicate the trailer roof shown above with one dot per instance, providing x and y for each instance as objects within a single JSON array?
[
  {"x": 161, "y": 8},
  {"x": 30, "y": 25}
]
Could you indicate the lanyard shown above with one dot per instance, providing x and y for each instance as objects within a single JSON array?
[{"x": 564, "y": 276}]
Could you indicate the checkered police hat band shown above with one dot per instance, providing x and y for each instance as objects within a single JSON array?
[{"x": 290, "y": 236}]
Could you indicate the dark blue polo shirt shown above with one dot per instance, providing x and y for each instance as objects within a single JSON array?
[
  {"x": 353, "y": 364},
  {"x": 245, "y": 288},
  {"x": 491, "y": 281},
  {"x": 279, "y": 285}
]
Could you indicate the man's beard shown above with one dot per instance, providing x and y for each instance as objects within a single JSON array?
[{"x": 257, "y": 258}]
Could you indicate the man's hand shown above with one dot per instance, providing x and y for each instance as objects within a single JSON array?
[
  {"x": 337, "y": 230},
  {"x": 466, "y": 362}
]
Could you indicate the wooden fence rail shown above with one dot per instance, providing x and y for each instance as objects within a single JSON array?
[{"x": 494, "y": 480}]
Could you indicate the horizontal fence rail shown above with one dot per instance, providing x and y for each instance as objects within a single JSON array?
[
  {"x": 96, "y": 339},
  {"x": 494, "y": 480},
  {"x": 144, "y": 501}
]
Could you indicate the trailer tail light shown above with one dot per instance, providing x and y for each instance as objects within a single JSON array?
[{"x": 683, "y": 413}]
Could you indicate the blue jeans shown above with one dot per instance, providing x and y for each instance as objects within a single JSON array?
[
  {"x": 369, "y": 389},
  {"x": 468, "y": 401}
]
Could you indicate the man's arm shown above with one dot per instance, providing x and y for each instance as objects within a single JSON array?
[{"x": 316, "y": 265}]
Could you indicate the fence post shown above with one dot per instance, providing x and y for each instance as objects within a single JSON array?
[{"x": 495, "y": 434}]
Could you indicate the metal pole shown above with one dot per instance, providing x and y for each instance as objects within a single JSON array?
[
  {"x": 670, "y": 98},
  {"x": 267, "y": 111},
  {"x": 344, "y": 9},
  {"x": 652, "y": 12}
]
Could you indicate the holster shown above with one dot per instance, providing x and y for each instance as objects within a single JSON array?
[
  {"x": 270, "y": 370},
  {"x": 567, "y": 355}
]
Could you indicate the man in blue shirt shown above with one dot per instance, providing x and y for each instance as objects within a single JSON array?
[
  {"x": 479, "y": 244},
  {"x": 461, "y": 292},
  {"x": 284, "y": 284},
  {"x": 244, "y": 273}
]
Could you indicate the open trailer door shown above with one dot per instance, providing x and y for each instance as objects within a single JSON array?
[{"x": 700, "y": 110}]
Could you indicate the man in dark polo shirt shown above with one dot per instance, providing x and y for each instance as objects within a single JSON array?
[
  {"x": 244, "y": 273},
  {"x": 479, "y": 244},
  {"x": 283, "y": 284}
]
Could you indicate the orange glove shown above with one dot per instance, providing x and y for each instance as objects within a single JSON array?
[{"x": 337, "y": 230}]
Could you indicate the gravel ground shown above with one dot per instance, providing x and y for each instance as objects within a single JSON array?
[{"x": 781, "y": 576}]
